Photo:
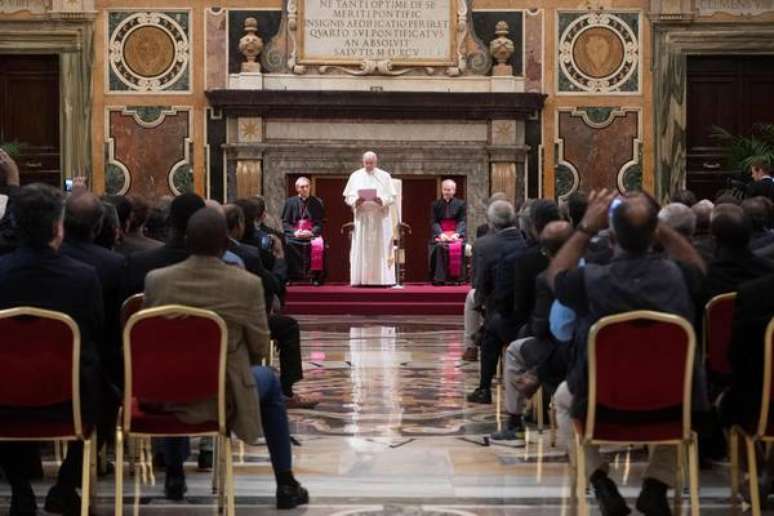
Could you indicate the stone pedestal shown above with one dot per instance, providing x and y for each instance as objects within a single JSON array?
[{"x": 246, "y": 81}]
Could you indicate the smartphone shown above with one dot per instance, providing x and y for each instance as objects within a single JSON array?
[{"x": 68, "y": 185}]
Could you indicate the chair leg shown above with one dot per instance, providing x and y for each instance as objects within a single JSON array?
[
  {"x": 216, "y": 457},
  {"x": 58, "y": 452},
  {"x": 86, "y": 476},
  {"x": 733, "y": 453},
  {"x": 119, "y": 505},
  {"x": 679, "y": 479},
  {"x": 693, "y": 472},
  {"x": 149, "y": 460},
  {"x": 538, "y": 401},
  {"x": 752, "y": 466},
  {"x": 241, "y": 451},
  {"x": 229, "y": 476},
  {"x": 552, "y": 422},
  {"x": 132, "y": 449},
  {"x": 221, "y": 475},
  {"x": 580, "y": 477}
]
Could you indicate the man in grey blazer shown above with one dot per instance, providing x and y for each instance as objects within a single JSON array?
[{"x": 255, "y": 398}]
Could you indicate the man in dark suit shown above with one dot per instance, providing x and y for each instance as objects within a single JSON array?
[
  {"x": 37, "y": 275},
  {"x": 762, "y": 183},
  {"x": 83, "y": 214},
  {"x": 269, "y": 242},
  {"x": 9, "y": 187},
  {"x": 758, "y": 211},
  {"x": 448, "y": 233},
  {"x": 172, "y": 252},
  {"x": 501, "y": 249},
  {"x": 284, "y": 329},
  {"x": 133, "y": 221},
  {"x": 733, "y": 263}
]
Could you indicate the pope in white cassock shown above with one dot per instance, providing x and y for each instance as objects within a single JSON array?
[{"x": 370, "y": 192}]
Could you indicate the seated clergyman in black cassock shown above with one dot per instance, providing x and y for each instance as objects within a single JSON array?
[
  {"x": 302, "y": 220},
  {"x": 447, "y": 247}
]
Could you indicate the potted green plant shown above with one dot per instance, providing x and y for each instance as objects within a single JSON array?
[{"x": 741, "y": 150}]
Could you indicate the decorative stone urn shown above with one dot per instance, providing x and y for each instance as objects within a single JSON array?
[
  {"x": 502, "y": 49},
  {"x": 251, "y": 46}
]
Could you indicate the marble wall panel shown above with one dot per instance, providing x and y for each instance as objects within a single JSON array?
[
  {"x": 148, "y": 51},
  {"x": 533, "y": 50},
  {"x": 137, "y": 163},
  {"x": 216, "y": 64},
  {"x": 598, "y": 52},
  {"x": 484, "y": 23},
  {"x": 598, "y": 148}
]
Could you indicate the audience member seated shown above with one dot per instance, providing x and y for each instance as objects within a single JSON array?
[
  {"x": 702, "y": 238},
  {"x": 110, "y": 229},
  {"x": 741, "y": 403},
  {"x": 727, "y": 197},
  {"x": 486, "y": 228},
  {"x": 635, "y": 279},
  {"x": 133, "y": 237},
  {"x": 524, "y": 356},
  {"x": 270, "y": 243},
  {"x": 302, "y": 221},
  {"x": 84, "y": 214},
  {"x": 733, "y": 263},
  {"x": 762, "y": 183},
  {"x": 758, "y": 211},
  {"x": 684, "y": 197},
  {"x": 496, "y": 252},
  {"x": 519, "y": 303},
  {"x": 679, "y": 217},
  {"x": 38, "y": 275},
  {"x": 157, "y": 225},
  {"x": 448, "y": 234},
  {"x": 255, "y": 397},
  {"x": 172, "y": 252},
  {"x": 284, "y": 329}
]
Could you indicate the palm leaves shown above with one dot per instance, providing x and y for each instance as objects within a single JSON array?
[
  {"x": 741, "y": 151},
  {"x": 12, "y": 148}
]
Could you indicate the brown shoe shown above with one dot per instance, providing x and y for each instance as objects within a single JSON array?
[
  {"x": 300, "y": 402},
  {"x": 470, "y": 355}
]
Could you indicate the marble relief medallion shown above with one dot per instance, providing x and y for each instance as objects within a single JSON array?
[
  {"x": 149, "y": 51},
  {"x": 598, "y": 53}
]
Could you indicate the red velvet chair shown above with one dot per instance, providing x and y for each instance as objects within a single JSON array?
[
  {"x": 173, "y": 355},
  {"x": 718, "y": 316},
  {"x": 640, "y": 369},
  {"x": 763, "y": 433},
  {"x": 131, "y": 306},
  {"x": 41, "y": 344}
]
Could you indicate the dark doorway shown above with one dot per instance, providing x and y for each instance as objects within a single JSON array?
[
  {"x": 418, "y": 193},
  {"x": 732, "y": 92},
  {"x": 29, "y": 114}
]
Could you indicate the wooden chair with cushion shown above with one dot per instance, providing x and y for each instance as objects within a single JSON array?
[
  {"x": 640, "y": 383},
  {"x": 174, "y": 355}
]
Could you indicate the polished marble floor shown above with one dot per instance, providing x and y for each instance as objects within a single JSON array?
[{"x": 393, "y": 435}]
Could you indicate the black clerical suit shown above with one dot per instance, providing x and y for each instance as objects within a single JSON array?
[
  {"x": 452, "y": 210},
  {"x": 43, "y": 278},
  {"x": 299, "y": 251}
]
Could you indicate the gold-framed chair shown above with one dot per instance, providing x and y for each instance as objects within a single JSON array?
[
  {"x": 718, "y": 315},
  {"x": 763, "y": 431},
  {"x": 37, "y": 344},
  {"x": 640, "y": 361},
  {"x": 174, "y": 354}
]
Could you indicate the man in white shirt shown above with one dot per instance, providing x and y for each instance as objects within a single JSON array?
[{"x": 370, "y": 192}]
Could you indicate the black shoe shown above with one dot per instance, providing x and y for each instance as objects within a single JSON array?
[
  {"x": 23, "y": 503},
  {"x": 610, "y": 501},
  {"x": 508, "y": 434},
  {"x": 175, "y": 487},
  {"x": 63, "y": 500},
  {"x": 205, "y": 460},
  {"x": 653, "y": 500},
  {"x": 480, "y": 395},
  {"x": 291, "y": 496}
]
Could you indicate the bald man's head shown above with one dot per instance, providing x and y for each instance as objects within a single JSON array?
[
  {"x": 83, "y": 215},
  {"x": 554, "y": 235},
  {"x": 207, "y": 234},
  {"x": 634, "y": 223}
]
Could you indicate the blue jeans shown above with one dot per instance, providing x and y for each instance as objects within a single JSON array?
[{"x": 274, "y": 417}]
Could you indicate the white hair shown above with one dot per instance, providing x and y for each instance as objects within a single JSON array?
[
  {"x": 370, "y": 155},
  {"x": 500, "y": 214},
  {"x": 449, "y": 182},
  {"x": 303, "y": 179},
  {"x": 679, "y": 217}
]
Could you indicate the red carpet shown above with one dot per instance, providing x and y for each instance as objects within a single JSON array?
[{"x": 414, "y": 299}]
